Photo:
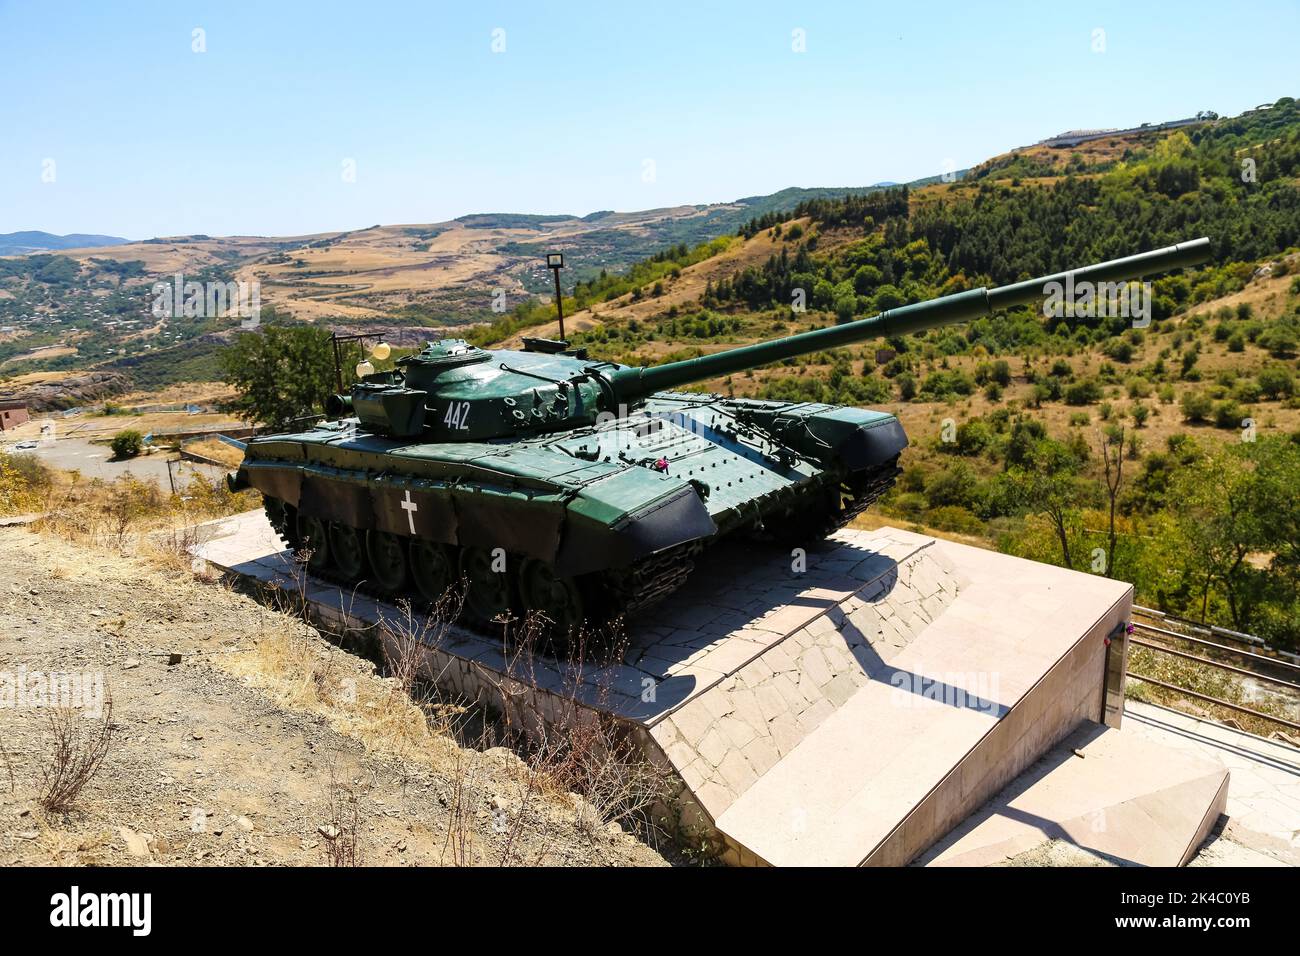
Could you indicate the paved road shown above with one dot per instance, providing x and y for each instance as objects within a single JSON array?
[{"x": 94, "y": 461}]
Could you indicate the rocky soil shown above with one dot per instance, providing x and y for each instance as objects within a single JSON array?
[{"x": 240, "y": 737}]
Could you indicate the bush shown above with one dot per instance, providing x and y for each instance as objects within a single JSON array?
[
  {"x": 1196, "y": 406},
  {"x": 1247, "y": 390},
  {"x": 957, "y": 485},
  {"x": 127, "y": 444},
  {"x": 23, "y": 479},
  {"x": 1228, "y": 415},
  {"x": 1119, "y": 350},
  {"x": 954, "y": 518},
  {"x": 1085, "y": 392},
  {"x": 1138, "y": 387},
  {"x": 1276, "y": 381}
]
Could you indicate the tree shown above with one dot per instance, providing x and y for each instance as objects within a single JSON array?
[
  {"x": 127, "y": 444},
  {"x": 1215, "y": 502},
  {"x": 280, "y": 372},
  {"x": 1112, "y": 444},
  {"x": 1048, "y": 484}
]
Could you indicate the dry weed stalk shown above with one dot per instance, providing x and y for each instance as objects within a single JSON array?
[
  {"x": 342, "y": 832},
  {"x": 587, "y": 750},
  {"x": 78, "y": 753}
]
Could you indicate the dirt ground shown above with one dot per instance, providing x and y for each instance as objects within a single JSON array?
[{"x": 239, "y": 736}]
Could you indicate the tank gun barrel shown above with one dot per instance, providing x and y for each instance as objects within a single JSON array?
[{"x": 633, "y": 383}]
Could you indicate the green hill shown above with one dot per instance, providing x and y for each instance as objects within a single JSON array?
[{"x": 1027, "y": 430}]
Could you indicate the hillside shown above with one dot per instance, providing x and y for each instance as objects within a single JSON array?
[
  {"x": 25, "y": 243},
  {"x": 1200, "y": 407},
  {"x": 92, "y": 304}
]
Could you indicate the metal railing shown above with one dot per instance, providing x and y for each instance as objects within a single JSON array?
[{"x": 1254, "y": 664}]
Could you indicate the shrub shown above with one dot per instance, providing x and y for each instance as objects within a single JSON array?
[
  {"x": 906, "y": 386},
  {"x": 1228, "y": 415},
  {"x": 954, "y": 518},
  {"x": 957, "y": 485},
  {"x": 127, "y": 444},
  {"x": 22, "y": 481},
  {"x": 1119, "y": 349},
  {"x": 1138, "y": 387},
  {"x": 1196, "y": 406},
  {"x": 1276, "y": 381},
  {"x": 1085, "y": 392},
  {"x": 1247, "y": 390}
]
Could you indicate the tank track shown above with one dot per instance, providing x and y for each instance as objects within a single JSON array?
[
  {"x": 877, "y": 482},
  {"x": 621, "y": 592},
  {"x": 648, "y": 581}
]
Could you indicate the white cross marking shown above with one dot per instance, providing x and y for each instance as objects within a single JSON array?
[{"x": 410, "y": 507}]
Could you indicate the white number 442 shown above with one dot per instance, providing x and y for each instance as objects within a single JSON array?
[{"x": 457, "y": 416}]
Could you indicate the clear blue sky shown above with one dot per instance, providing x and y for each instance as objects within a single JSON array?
[{"x": 149, "y": 138}]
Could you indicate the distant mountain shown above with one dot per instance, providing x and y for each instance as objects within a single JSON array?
[{"x": 25, "y": 243}]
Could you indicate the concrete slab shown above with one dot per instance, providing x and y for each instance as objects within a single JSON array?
[
  {"x": 1110, "y": 792},
  {"x": 849, "y": 711},
  {"x": 1264, "y": 798}
]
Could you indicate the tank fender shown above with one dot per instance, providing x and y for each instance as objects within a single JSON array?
[
  {"x": 872, "y": 443},
  {"x": 602, "y": 531}
]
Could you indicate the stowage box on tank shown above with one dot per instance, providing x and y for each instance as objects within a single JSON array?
[{"x": 584, "y": 489}]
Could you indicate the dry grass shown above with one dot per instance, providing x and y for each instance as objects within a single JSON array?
[
  {"x": 288, "y": 662},
  {"x": 133, "y": 516},
  {"x": 401, "y": 717},
  {"x": 216, "y": 450}
]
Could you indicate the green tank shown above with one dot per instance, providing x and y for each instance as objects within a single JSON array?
[{"x": 550, "y": 481}]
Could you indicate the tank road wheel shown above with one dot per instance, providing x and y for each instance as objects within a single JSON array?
[
  {"x": 313, "y": 539},
  {"x": 557, "y": 597},
  {"x": 432, "y": 569},
  {"x": 347, "y": 551},
  {"x": 487, "y": 589},
  {"x": 387, "y": 556}
]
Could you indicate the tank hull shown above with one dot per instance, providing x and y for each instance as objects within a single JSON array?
[{"x": 623, "y": 508}]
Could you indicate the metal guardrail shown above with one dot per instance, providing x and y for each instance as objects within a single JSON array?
[
  {"x": 1248, "y": 658},
  {"x": 1214, "y": 630}
]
